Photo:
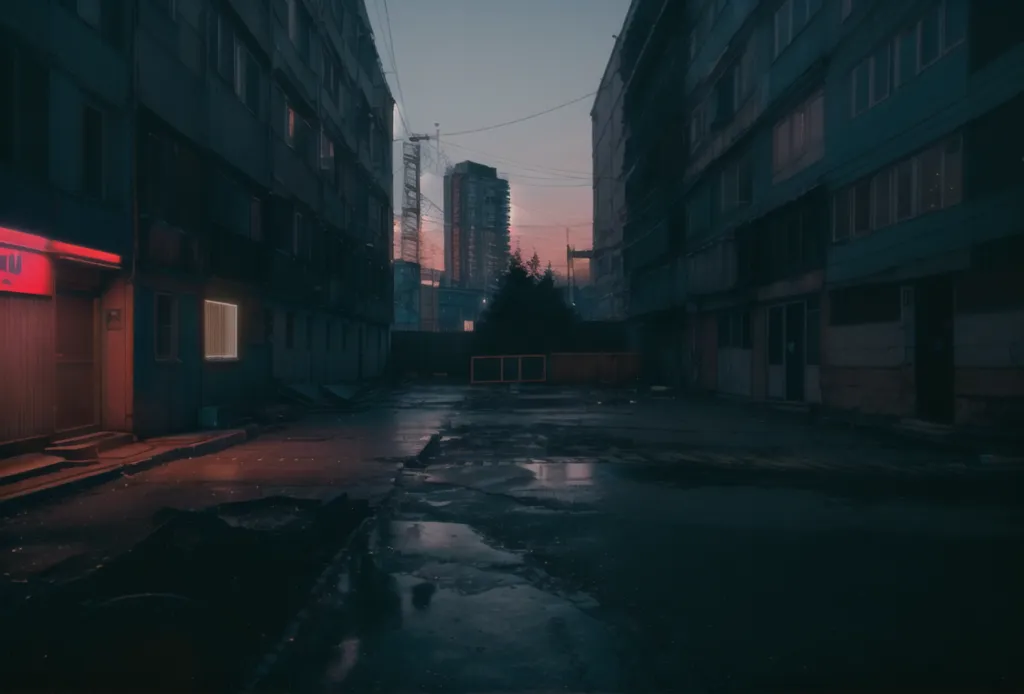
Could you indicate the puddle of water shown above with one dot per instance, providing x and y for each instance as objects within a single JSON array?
[
  {"x": 575, "y": 473},
  {"x": 445, "y": 542}
]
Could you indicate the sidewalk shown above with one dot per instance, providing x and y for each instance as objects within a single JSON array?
[{"x": 38, "y": 477}]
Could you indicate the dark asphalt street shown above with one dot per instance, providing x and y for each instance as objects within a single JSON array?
[{"x": 591, "y": 541}]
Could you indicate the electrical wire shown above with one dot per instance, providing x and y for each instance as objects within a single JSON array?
[
  {"x": 390, "y": 45},
  {"x": 513, "y": 162},
  {"x": 521, "y": 119}
]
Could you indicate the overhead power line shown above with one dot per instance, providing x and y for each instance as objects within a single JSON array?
[
  {"x": 523, "y": 118},
  {"x": 390, "y": 46},
  {"x": 536, "y": 168}
]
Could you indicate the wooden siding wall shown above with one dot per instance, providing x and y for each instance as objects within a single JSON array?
[{"x": 26, "y": 367}]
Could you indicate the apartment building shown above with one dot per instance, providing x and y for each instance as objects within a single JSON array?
[
  {"x": 851, "y": 188},
  {"x": 229, "y": 163},
  {"x": 65, "y": 217},
  {"x": 651, "y": 66},
  {"x": 608, "y": 147}
]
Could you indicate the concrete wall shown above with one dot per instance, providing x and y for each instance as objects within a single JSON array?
[{"x": 989, "y": 381}]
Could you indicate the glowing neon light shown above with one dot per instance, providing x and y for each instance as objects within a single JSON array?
[{"x": 41, "y": 244}]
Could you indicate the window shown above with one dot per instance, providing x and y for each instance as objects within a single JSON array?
[
  {"x": 952, "y": 172},
  {"x": 247, "y": 77},
  {"x": 881, "y": 72},
  {"x": 929, "y": 39},
  {"x": 298, "y": 28},
  {"x": 737, "y": 185},
  {"x": 798, "y": 139},
  {"x": 783, "y": 26},
  {"x": 776, "y": 337},
  {"x": 790, "y": 18},
  {"x": 255, "y": 219},
  {"x": 929, "y": 180},
  {"x": 166, "y": 324},
  {"x": 326, "y": 154},
  {"x": 298, "y": 235},
  {"x": 862, "y": 207},
  {"x": 881, "y": 195},
  {"x": 223, "y": 47},
  {"x": 92, "y": 152},
  {"x": 813, "y": 332},
  {"x": 861, "y": 79},
  {"x": 221, "y": 330},
  {"x": 841, "y": 216},
  {"x": 291, "y": 125},
  {"x": 289, "y": 330},
  {"x": 871, "y": 79},
  {"x": 904, "y": 189},
  {"x": 744, "y": 79}
]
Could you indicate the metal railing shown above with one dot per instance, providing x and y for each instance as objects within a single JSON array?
[{"x": 509, "y": 368}]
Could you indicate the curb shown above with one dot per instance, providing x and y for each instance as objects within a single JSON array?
[
  {"x": 110, "y": 471},
  {"x": 338, "y": 564}
]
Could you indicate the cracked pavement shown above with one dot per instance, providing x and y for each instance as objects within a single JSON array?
[
  {"x": 550, "y": 546},
  {"x": 580, "y": 540}
]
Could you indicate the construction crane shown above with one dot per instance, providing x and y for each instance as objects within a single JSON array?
[{"x": 570, "y": 269}]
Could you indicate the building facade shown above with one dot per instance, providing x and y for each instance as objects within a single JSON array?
[
  {"x": 850, "y": 195},
  {"x": 608, "y": 145},
  {"x": 225, "y": 172},
  {"x": 477, "y": 208}
]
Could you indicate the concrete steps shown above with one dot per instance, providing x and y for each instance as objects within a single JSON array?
[{"x": 89, "y": 446}]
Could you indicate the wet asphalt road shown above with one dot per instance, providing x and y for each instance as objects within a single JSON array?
[
  {"x": 575, "y": 541},
  {"x": 516, "y": 562}
]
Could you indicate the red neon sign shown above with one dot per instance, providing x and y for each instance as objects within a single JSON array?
[
  {"x": 24, "y": 272},
  {"x": 41, "y": 244}
]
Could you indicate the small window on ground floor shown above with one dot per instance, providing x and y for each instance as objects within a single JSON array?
[
  {"x": 166, "y": 320},
  {"x": 221, "y": 333},
  {"x": 776, "y": 337}
]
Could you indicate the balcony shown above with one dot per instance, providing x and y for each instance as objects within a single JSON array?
[
  {"x": 712, "y": 268},
  {"x": 295, "y": 175},
  {"x": 236, "y": 134},
  {"x": 720, "y": 141},
  {"x": 295, "y": 67}
]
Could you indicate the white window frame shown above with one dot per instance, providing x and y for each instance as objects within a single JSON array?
[
  {"x": 787, "y": 5},
  {"x": 221, "y": 330}
]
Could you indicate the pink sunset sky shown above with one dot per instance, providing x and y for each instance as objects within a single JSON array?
[{"x": 471, "y": 64}]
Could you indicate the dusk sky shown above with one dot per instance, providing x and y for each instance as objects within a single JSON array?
[{"x": 469, "y": 64}]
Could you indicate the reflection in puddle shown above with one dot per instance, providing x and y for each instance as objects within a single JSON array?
[{"x": 576, "y": 473}]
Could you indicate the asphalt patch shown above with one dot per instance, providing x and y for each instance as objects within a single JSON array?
[{"x": 190, "y": 608}]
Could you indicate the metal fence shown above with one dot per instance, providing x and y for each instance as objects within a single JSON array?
[{"x": 509, "y": 368}]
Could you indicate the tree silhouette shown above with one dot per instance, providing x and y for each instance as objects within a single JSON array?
[
  {"x": 528, "y": 313},
  {"x": 533, "y": 266}
]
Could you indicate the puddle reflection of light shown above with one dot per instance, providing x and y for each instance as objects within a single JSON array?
[{"x": 576, "y": 473}]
